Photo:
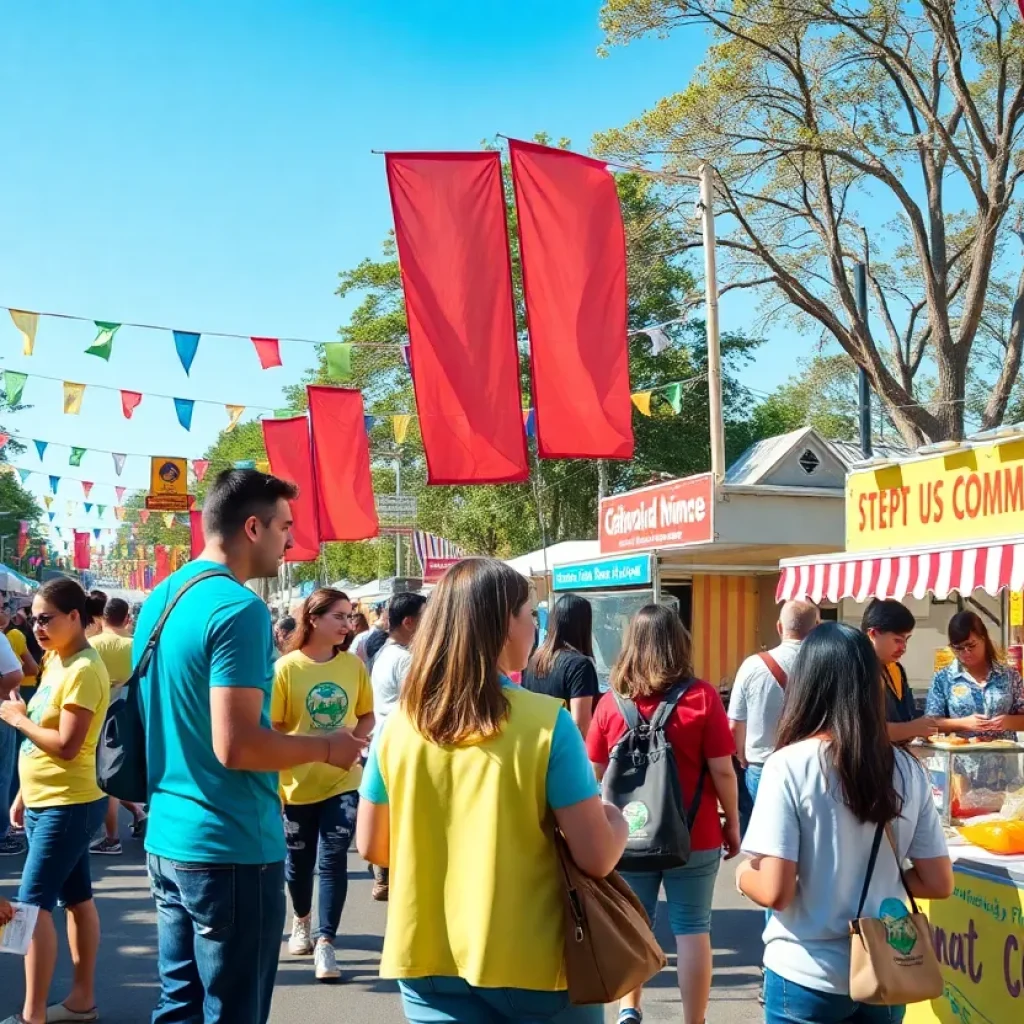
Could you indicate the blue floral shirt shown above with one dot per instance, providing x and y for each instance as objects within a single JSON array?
[{"x": 955, "y": 693}]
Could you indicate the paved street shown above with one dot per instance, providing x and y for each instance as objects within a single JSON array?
[{"x": 127, "y": 980}]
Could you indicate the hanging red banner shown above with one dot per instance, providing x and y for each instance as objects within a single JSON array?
[
  {"x": 81, "y": 550},
  {"x": 163, "y": 564},
  {"x": 195, "y": 523},
  {"x": 290, "y": 457}
]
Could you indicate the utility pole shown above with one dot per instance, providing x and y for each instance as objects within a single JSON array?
[
  {"x": 706, "y": 174},
  {"x": 860, "y": 285},
  {"x": 398, "y": 536}
]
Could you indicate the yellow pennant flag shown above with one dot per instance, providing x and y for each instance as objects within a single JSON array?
[
  {"x": 26, "y": 323},
  {"x": 119, "y": 512},
  {"x": 168, "y": 519},
  {"x": 73, "y": 394},
  {"x": 234, "y": 415},
  {"x": 642, "y": 400},
  {"x": 47, "y": 501},
  {"x": 400, "y": 424},
  {"x": 263, "y": 466}
]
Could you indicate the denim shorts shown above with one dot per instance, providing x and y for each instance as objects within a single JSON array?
[
  {"x": 436, "y": 1000},
  {"x": 786, "y": 1002},
  {"x": 57, "y": 866},
  {"x": 689, "y": 891}
]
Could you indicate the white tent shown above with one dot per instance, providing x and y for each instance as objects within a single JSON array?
[{"x": 562, "y": 553}]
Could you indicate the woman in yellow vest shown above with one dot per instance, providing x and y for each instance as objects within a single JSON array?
[{"x": 456, "y": 801}]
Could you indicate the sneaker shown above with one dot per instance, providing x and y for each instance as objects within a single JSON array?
[
  {"x": 630, "y": 1015},
  {"x": 325, "y": 962},
  {"x": 300, "y": 943},
  {"x": 379, "y": 892},
  {"x": 107, "y": 847},
  {"x": 12, "y": 846},
  {"x": 139, "y": 827}
]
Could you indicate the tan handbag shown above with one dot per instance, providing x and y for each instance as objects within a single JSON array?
[
  {"x": 609, "y": 946},
  {"x": 892, "y": 960}
]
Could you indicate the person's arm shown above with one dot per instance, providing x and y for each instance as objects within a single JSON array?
[
  {"x": 769, "y": 881},
  {"x": 723, "y": 778},
  {"x": 364, "y": 726},
  {"x": 738, "y": 731},
  {"x": 583, "y": 691},
  {"x": 29, "y": 668},
  {"x": 930, "y": 878},
  {"x": 9, "y": 682},
  {"x": 903, "y": 732},
  {"x": 64, "y": 742},
  {"x": 738, "y": 714},
  {"x": 931, "y": 874},
  {"x": 10, "y": 668},
  {"x": 373, "y": 822}
]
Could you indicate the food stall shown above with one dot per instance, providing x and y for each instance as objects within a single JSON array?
[{"x": 945, "y": 529}]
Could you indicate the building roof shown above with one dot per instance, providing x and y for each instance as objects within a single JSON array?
[
  {"x": 562, "y": 553},
  {"x": 849, "y": 451},
  {"x": 762, "y": 456}
]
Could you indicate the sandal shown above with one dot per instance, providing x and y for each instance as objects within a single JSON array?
[{"x": 60, "y": 1014}]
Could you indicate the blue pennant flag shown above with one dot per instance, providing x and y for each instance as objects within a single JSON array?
[
  {"x": 530, "y": 422},
  {"x": 52, "y": 515},
  {"x": 96, "y": 534},
  {"x": 54, "y": 480},
  {"x": 186, "y": 343},
  {"x": 183, "y": 407},
  {"x": 88, "y": 507},
  {"x": 24, "y": 474},
  {"x": 41, "y": 448},
  {"x": 369, "y": 422}
]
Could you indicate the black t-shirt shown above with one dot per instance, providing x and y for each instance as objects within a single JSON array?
[
  {"x": 376, "y": 640},
  {"x": 572, "y": 675},
  {"x": 903, "y": 708}
]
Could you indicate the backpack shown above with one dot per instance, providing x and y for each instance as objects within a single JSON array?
[
  {"x": 121, "y": 747},
  {"x": 642, "y": 780}
]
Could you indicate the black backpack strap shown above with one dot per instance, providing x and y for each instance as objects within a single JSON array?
[
  {"x": 629, "y": 711},
  {"x": 672, "y": 697},
  {"x": 879, "y": 832},
  {"x": 154, "y": 637},
  {"x": 691, "y": 814}
]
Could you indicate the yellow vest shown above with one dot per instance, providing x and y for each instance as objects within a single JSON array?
[{"x": 474, "y": 882}]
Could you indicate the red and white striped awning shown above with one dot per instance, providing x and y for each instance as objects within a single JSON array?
[{"x": 991, "y": 567}]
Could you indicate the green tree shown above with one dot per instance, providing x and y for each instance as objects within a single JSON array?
[{"x": 889, "y": 133}]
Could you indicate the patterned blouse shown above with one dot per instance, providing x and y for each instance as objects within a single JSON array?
[{"x": 955, "y": 693}]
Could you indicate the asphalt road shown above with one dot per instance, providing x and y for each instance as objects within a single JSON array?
[{"x": 127, "y": 977}]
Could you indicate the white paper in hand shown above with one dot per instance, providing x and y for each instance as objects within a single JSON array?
[{"x": 16, "y": 935}]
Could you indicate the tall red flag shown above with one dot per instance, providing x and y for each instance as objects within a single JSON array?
[
  {"x": 451, "y": 229},
  {"x": 195, "y": 523},
  {"x": 290, "y": 457},
  {"x": 81, "y": 549},
  {"x": 163, "y": 564},
  {"x": 573, "y": 248},
  {"x": 341, "y": 465}
]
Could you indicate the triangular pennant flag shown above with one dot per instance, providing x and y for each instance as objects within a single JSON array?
[
  {"x": 183, "y": 407},
  {"x": 186, "y": 344},
  {"x": 41, "y": 448},
  {"x": 168, "y": 519},
  {"x": 199, "y": 467},
  {"x": 263, "y": 465},
  {"x": 529, "y": 422},
  {"x": 119, "y": 512},
  {"x": 27, "y": 323},
  {"x": 339, "y": 360},
  {"x": 73, "y": 394},
  {"x": 130, "y": 402},
  {"x": 54, "y": 480},
  {"x": 104, "y": 340},
  {"x": 4, "y": 438},
  {"x": 400, "y": 425},
  {"x": 234, "y": 415},
  {"x": 14, "y": 385},
  {"x": 100, "y": 509},
  {"x": 88, "y": 507},
  {"x": 659, "y": 340},
  {"x": 118, "y": 462},
  {"x": 642, "y": 400},
  {"x": 674, "y": 397},
  {"x": 269, "y": 351},
  {"x": 144, "y": 514},
  {"x": 369, "y": 422},
  {"x": 48, "y": 501},
  {"x": 52, "y": 515},
  {"x": 24, "y": 474},
  {"x": 76, "y": 456},
  {"x": 407, "y": 356},
  {"x": 96, "y": 534},
  {"x": 119, "y": 491},
  {"x": 86, "y": 487},
  {"x": 283, "y": 414}
]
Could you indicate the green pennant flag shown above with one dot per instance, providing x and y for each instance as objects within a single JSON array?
[
  {"x": 76, "y": 456},
  {"x": 339, "y": 360},
  {"x": 283, "y": 414},
  {"x": 14, "y": 384},
  {"x": 674, "y": 397},
  {"x": 100, "y": 509},
  {"x": 104, "y": 340}
]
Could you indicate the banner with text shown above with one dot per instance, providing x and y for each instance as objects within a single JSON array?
[{"x": 671, "y": 515}]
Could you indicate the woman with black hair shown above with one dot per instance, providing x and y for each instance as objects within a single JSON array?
[
  {"x": 563, "y": 666},
  {"x": 834, "y": 779}
]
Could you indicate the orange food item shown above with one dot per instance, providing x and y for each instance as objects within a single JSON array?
[{"x": 1003, "y": 837}]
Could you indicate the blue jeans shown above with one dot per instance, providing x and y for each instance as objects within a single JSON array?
[
  {"x": 746, "y": 803},
  {"x": 219, "y": 930},
  {"x": 786, "y": 1002},
  {"x": 752, "y": 779},
  {"x": 437, "y": 999},
  {"x": 689, "y": 891},
  {"x": 318, "y": 837},
  {"x": 9, "y": 743}
]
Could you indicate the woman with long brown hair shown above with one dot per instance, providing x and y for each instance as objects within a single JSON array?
[
  {"x": 319, "y": 689},
  {"x": 457, "y": 796}
]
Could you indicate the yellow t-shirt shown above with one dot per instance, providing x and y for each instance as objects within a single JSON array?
[
  {"x": 20, "y": 645},
  {"x": 116, "y": 652},
  {"x": 311, "y": 697},
  {"x": 48, "y": 781}
]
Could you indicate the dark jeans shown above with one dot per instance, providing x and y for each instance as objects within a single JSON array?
[
  {"x": 746, "y": 803},
  {"x": 318, "y": 837},
  {"x": 219, "y": 930},
  {"x": 786, "y": 1002}
]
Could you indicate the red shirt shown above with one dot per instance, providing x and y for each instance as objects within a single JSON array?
[{"x": 698, "y": 730}]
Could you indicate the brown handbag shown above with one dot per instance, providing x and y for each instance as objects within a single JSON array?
[
  {"x": 892, "y": 960},
  {"x": 609, "y": 946}
]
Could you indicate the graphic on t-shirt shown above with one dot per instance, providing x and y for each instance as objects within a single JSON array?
[
  {"x": 327, "y": 704},
  {"x": 900, "y": 932},
  {"x": 35, "y": 713},
  {"x": 637, "y": 815}
]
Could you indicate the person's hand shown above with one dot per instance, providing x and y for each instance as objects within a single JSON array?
[
  {"x": 731, "y": 839},
  {"x": 13, "y": 710},
  {"x": 974, "y": 723},
  {"x": 996, "y": 724},
  {"x": 18, "y": 812},
  {"x": 7, "y": 912},
  {"x": 926, "y": 726},
  {"x": 344, "y": 748}
]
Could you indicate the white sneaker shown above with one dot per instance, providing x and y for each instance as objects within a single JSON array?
[
  {"x": 300, "y": 942},
  {"x": 325, "y": 962}
]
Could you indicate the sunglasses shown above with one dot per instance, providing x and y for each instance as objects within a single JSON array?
[{"x": 46, "y": 618}]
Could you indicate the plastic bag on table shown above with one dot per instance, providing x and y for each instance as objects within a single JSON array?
[
  {"x": 1013, "y": 806},
  {"x": 1003, "y": 837}
]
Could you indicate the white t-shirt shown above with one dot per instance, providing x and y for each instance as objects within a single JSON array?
[
  {"x": 9, "y": 661},
  {"x": 799, "y": 816},
  {"x": 756, "y": 699},
  {"x": 389, "y": 671}
]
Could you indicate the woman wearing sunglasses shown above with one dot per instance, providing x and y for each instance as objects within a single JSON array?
[{"x": 59, "y": 802}]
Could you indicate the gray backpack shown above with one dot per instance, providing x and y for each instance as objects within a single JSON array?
[{"x": 642, "y": 780}]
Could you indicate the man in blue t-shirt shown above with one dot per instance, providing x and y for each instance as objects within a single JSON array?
[{"x": 214, "y": 836}]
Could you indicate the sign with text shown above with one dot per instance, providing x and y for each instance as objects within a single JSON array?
[
  {"x": 627, "y": 571},
  {"x": 960, "y": 496},
  {"x": 435, "y": 568},
  {"x": 671, "y": 515},
  {"x": 169, "y": 502},
  {"x": 167, "y": 476}
]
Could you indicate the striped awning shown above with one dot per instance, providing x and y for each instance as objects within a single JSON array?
[{"x": 991, "y": 567}]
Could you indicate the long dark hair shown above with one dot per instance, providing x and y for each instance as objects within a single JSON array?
[
  {"x": 318, "y": 603},
  {"x": 836, "y": 688},
  {"x": 656, "y": 653},
  {"x": 570, "y": 627},
  {"x": 965, "y": 624}
]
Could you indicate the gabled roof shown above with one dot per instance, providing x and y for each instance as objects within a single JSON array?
[
  {"x": 850, "y": 453},
  {"x": 762, "y": 457}
]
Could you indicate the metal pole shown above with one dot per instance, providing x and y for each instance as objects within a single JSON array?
[
  {"x": 535, "y": 477},
  {"x": 711, "y": 300},
  {"x": 860, "y": 284},
  {"x": 398, "y": 536}
]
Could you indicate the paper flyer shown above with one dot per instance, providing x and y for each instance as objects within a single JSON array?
[{"x": 16, "y": 935}]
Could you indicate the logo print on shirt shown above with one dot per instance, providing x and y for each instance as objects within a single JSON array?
[
  {"x": 36, "y": 707},
  {"x": 327, "y": 705},
  {"x": 637, "y": 815}
]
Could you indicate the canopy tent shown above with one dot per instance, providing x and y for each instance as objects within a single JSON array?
[{"x": 12, "y": 582}]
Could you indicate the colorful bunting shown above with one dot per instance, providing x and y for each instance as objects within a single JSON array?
[
  {"x": 100, "y": 509},
  {"x": 104, "y": 340},
  {"x": 119, "y": 512},
  {"x": 234, "y": 415},
  {"x": 186, "y": 344},
  {"x": 86, "y": 487},
  {"x": 119, "y": 491},
  {"x": 659, "y": 340},
  {"x": 24, "y": 474},
  {"x": 130, "y": 401},
  {"x": 54, "y": 480},
  {"x": 199, "y": 467},
  {"x": 73, "y": 394},
  {"x": 168, "y": 519},
  {"x": 642, "y": 400},
  {"x": 339, "y": 360},
  {"x": 183, "y": 407},
  {"x": 96, "y": 534},
  {"x": 88, "y": 507},
  {"x": 674, "y": 397},
  {"x": 144, "y": 514},
  {"x": 4, "y": 438},
  {"x": 407, "y": 356},
  {"x": 76, "y": 456},
  {"x": 269, "y": 352},
  {"x": 52, "y": 515},
  {"x": 41, "y": 448},
  {"x": 27, "y": 323},
  {"x": 369, "y": 422},
  {"x": 530, "y": 422},
  {"x": 48, "y": 501},
  {"x": 400, "y": 425},
  {"x": 118, "y": 462},
  {"x": 14, "y": 385}
]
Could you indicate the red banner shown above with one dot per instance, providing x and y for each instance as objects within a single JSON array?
[
  {"x": 195, "y": 523},
  {"x": 573, "y": 250},
  {"x": 670, "y": 515},
  {"x": 163, "y": 564},
  {"x": 81, "y": 549},
  {"x": 451, "y": 229},
  {"x": 341, "y": 465},
  {"x": 290, "y": 457}
]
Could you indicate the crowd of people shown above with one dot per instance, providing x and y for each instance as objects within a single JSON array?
[{"x": 261, "y": 771}]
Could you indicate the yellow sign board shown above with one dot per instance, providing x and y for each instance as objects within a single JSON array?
[
  {"x": 971, "y": 494},
  {"x": 167, "y": 476},
  {"x": 979, "y": 939}
]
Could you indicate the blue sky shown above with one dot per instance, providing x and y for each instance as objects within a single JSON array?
[{"x": 207, "y": 166}]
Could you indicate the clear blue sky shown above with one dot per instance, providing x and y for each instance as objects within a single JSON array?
[{"x": 207, "y": 166}]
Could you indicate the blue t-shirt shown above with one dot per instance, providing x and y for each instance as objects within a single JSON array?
[
  {"x": 218, "y": 634},
  {"x": 570, "y": 776}
]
